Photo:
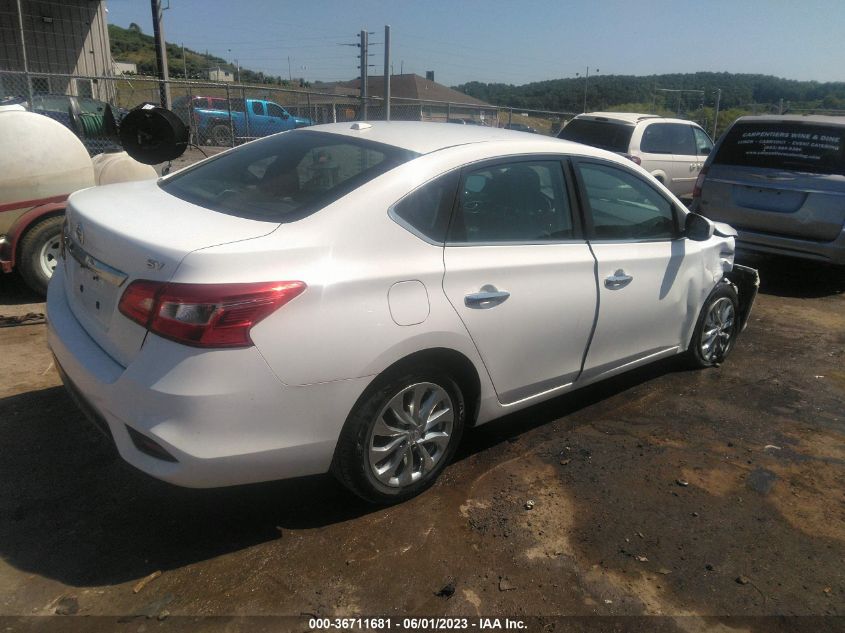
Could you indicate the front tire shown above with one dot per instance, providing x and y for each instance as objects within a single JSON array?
[
  {"x": 400, "y": 436},
  {"x": 39, "y": 253},
  {"x": 716, "y": 329}
]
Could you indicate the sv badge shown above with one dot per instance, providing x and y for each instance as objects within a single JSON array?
[{"x": 154, "y": 264}]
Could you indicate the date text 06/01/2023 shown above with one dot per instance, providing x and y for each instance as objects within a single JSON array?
[{"x": 415, "y": 624}]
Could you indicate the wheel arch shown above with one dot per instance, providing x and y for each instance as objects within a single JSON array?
[
  {"x": 9, "y": 255},
  {"x": 660, "y": 176},
  {"x": 459, "y": 366}
]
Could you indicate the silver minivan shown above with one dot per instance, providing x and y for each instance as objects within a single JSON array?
[{"x": 780, "y": 181}]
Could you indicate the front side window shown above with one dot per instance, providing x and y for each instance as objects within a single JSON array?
[
  {"x": 668, "y": 138},
  {"x": 622, "y": 206},
  {"x": 276, "y": 111},
  {"x": 522, "y": 201},
  {"x": 286, "y": 177}
]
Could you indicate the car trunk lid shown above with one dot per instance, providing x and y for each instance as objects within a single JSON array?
[{"x": 119, "y": 233}]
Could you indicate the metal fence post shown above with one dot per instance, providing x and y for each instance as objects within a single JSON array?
[
  {"x": 246, "y": 114},
  {"x": 364, "y": 75},
  {"x": 387, "y": 72},
  {"x": 231, "y": 123},
  {"x": 23, "y": 55}
]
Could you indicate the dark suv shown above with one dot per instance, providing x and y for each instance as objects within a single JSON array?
[{"x": 780, "y": 181}]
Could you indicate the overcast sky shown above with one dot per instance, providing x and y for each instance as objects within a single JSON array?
[{"x": 511, "y": 42}]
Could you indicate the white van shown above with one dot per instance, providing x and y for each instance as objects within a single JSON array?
[{"x": 672, "y": 150}]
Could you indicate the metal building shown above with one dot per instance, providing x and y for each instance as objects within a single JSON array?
[{"x": 66, "y": 37}]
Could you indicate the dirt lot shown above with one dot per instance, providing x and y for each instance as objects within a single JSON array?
[{"x": 665, "y": 491}]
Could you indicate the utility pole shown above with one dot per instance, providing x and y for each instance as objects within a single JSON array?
[
  {"x": 716, "y": 115},
  {"x": 161, "y": 53},
  {"x": 23, "y": 56},
  {"x": 387, "y": 72},
  {"x": 237, "y": 69},
  {"x": 184, "y": 62},
  {"x": 290, "y": 76},
  {"x": 364, "y": 71},
  {"x": 586, "y": 82}
]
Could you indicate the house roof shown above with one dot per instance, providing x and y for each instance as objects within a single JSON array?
[{"x": 411, "y": 86}]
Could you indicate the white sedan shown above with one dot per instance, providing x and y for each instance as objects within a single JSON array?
[{"x": 352, "y": 297}]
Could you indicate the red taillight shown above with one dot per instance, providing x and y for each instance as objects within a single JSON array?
[
  {"x": 699, "y": 183},
  {"x": 634, "y": 159},
  {"x": 205, "y": 315}
]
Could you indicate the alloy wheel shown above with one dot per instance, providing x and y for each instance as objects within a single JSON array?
[
  {"x": 717, "y": 333},
  {"x": 411, "y": 434}
]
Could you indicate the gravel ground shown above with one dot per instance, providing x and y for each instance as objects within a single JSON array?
[{"x": 693, "y": 494}]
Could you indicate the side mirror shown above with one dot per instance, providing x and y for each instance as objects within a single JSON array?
[{"x": 698, "y": 228}]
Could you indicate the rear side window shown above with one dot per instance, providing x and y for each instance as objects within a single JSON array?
[
  {"x": 615, "y": 137},
  {"x": 523, "y": 201},
  {"x": 668, "y": 138},
  {"x": 426, "y": 210},
  {"x": 286, "y": 177},
  {"x": 703, "y": 144},
  {"x": 817, "y": 149}
]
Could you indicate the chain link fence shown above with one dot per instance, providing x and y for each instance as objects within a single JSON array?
[{"x": 227, "y": 114}]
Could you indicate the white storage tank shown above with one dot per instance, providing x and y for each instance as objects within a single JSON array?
[
  {"x": 40, "y": 158},
  {"x": 112, "y": 167}
]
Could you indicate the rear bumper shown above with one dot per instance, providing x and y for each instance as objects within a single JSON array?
[
  {"x": 831, "y": 252},
  {"x": 222, "y": 415}
]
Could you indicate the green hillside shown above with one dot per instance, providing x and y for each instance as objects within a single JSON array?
[
  {"x": 604, "y": 91},
  {"x": 132, "y": 45},
  {"x": 741, "y": 94}
]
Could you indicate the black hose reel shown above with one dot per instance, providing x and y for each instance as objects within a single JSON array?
[{"x": 153, "y": 135}]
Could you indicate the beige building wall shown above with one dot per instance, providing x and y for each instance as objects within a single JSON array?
[{"x": 68, "y": 37}]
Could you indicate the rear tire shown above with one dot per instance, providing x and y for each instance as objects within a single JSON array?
[
  {"x": 221, "y": 135},
  {"x": 716, "y": 329},
  {"x": 39, "y": 253},
  {"x": 400, "y": 435}
]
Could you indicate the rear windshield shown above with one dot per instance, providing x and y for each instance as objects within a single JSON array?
[
  {"x": 615, "y": 137},
  {"x": 285, "y": 177},
  {"x": 817, "y": 149}
]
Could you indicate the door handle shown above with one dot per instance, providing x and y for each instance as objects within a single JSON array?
[
  {"x": 617, "y": 280},
  {"x": 488, "y": 297}
]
